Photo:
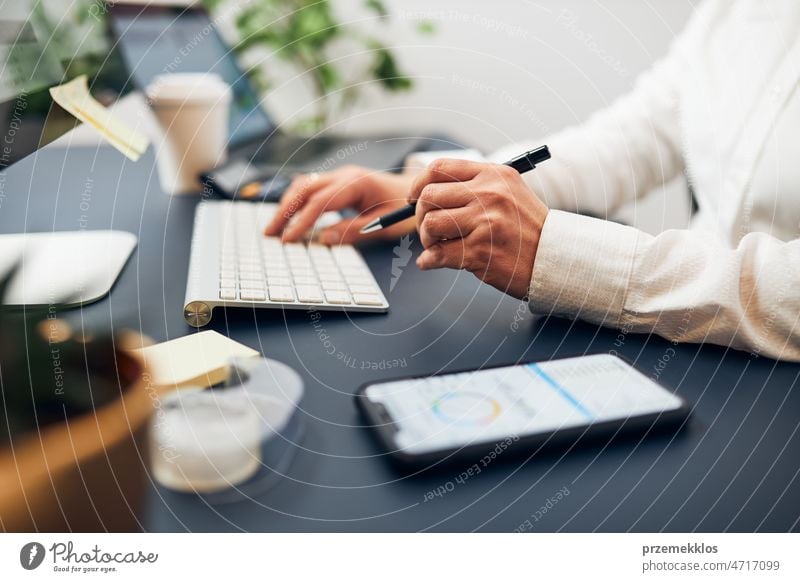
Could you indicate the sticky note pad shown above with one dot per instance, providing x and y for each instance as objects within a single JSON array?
[
  {"x": 75, "y": 97},
  {"x": 201, "y": 359}
]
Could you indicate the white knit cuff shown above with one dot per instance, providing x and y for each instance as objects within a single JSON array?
[{"x": 582, "y": 268}]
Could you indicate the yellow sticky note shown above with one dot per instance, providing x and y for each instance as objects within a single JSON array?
[
  {"x": 77, "y": 100},
  {"x": 199, "y": 359}
]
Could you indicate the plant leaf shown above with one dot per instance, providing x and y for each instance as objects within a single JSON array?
[
  {"x": 387, "y": 73},
  {"x": 427, "y": 27},
  {"x": 314, "y": 25},
  {"x": 378, "y": 7},
  {"x": 328, "y": 75},
  {"x": 211, "y": 4}
]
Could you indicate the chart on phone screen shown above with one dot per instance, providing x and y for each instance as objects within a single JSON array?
[{"x": 484, "y": 405}]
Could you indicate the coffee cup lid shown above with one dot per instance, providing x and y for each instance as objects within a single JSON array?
[{"x": 187, "y": 88}]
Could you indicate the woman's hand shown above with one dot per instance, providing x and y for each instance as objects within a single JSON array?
[
  {"x": 479, "y": 217},
  {"x": 372, "y": 193}
]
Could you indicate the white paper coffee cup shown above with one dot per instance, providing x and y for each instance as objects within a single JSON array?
[
  {"x": 193, "y": 110},
  {"x": 205, "y": 442}
]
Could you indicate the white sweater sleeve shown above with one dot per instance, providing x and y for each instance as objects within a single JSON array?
[{"x": 682, "y": 285}]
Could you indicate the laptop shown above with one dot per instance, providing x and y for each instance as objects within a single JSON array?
[{"x": 158, "y": 39}]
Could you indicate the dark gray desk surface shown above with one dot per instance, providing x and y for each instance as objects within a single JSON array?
[{"x": 734, "y": 468}]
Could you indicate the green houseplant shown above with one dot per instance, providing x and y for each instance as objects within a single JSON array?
[{"x": 304, "y": 33}]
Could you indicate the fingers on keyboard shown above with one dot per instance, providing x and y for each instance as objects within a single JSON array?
[{"x": 255, "y": 268}]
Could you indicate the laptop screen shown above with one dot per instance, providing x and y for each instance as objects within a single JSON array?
[{"x": 159, "y": 40}]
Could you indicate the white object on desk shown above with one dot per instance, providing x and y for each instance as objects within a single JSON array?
[
  {"x": 198, "y": 359},
  {"x": 232, "y": 264},
  {"x": 205, "y": 441},
  {"x": 210, "y": 440},
  {"x": 193, "y": 109},
  {"x": 63, "y": 268}
]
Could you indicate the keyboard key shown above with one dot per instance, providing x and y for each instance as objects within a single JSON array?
[
  {"x": 279, "y": 281},
  {"x": 250, "y": 267},
  {"x": 294, "y": 248},
  {"x": 280, "y": 293},
  {"x": 275, "y": 264},
  {"x": 337, "y": 297},
  {"x": 354, "y": 269},
  {"x": 346, "y": 255},
  {"x": 252, "y": 286},
  {"x": 358, "y": 281},
  {"x": 278, "y": 273},
  {"x": 227, "y": 293},
  {"x": 227, "y": 282},
  {"x": 329, "y": 276},
  {"x": 363, "y": 289},
  {"x": 326, "y": 267},
  {"x": 303, "y": 273},
  {"x": 252, "y": 295},
  {"x": 333, "y": 286},
  {"x": 309, "y": 293},
  {"x": 318, "y": 250},
  {"x": 300, "y": 264},
  {"x": 366, "y": 299},
  {"x": 305, "y": 280}
]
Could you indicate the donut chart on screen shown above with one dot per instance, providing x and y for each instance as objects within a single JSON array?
[{"x": 466, "y": 408}]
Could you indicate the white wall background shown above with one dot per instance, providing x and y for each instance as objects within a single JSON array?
[
  {"x": 498, "y": 71},
  {"x": 489, "y": 63}
]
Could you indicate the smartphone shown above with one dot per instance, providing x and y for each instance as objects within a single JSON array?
[{"x": 465, "y": 416}]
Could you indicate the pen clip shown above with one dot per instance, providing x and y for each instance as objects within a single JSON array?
[{"x": 527, "y": 161}]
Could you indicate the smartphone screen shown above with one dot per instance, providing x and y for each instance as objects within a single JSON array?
[{"x": 455, "y": 410}]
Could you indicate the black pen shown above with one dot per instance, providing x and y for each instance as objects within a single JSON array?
[{"x": 522, "y": 163}]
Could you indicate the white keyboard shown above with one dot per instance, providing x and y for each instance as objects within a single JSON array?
[{"x": 234, "y": 265}]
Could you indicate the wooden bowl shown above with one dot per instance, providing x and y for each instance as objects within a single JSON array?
[{"x": 87, "y": 474}]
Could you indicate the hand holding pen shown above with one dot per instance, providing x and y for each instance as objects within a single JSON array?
[
  {"x": 475, "y": 216},
  {"x": 372, "y": 194},
  {"x": 482, "y": 218},
  {"x": 521, "y": 164}
]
